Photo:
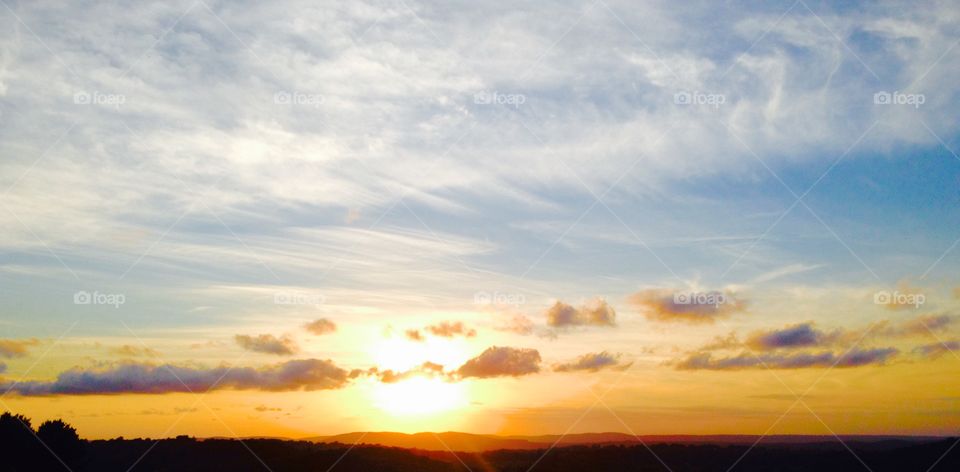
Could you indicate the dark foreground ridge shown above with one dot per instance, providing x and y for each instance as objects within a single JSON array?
[{"x": 23, "y": 451}]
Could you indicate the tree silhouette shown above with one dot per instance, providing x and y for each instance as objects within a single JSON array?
[
  {"x": 63, "y": 441},
  {"x": 17, "y": 443}
]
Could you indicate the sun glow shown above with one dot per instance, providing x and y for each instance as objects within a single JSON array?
[
  {"x": 401, "y": 355},
  {"x": 419, "y": 395}
]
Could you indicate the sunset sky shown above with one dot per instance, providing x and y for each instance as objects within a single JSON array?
[{"x": 299, "y": 218}]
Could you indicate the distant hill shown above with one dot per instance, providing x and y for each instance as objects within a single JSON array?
[{"x": 467, "y": 442}]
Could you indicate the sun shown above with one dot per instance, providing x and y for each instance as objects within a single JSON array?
[{"x": 419, "y": 394}]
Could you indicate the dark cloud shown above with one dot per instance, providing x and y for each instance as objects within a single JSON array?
[
  {"x": 321, "y": 326},
  {"x": 593, "y": 362},
  {"x": 448, "y": 329},
  {"x": 935, "y": 350},
  {"x": 800, "y": 360},
  {"x": 10, "y": 348},
  {"x": 686, "y": 307},
  {"x": 501, "y": 362},
  {"x": 130, "y": 377},
  {"x": 267, "y": 344},
  {"x": 595, "y": 313},
  {"x": 801, "y": 335},
  {"x": 133, "y": 351}
]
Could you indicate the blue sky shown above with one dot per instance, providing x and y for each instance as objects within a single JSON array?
[{"x": 198, "y": 135}]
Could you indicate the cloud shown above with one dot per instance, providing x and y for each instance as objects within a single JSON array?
[
  {"x": 596, "y": 313},
  {"x": 854, "y": 358},
  {"x": 687, "y": 307},
  {"x": 593, "y": 362},
  {"x": 935, "y": 350},
  {"x": 796, "y": 336},
  {"x": 267, "y": 344},
  {"x": 515, "y": 323},
  {"x": 807, "y": 334},
  {"x": 447, "y": 329},
  {"x": 924, "y": 325},
  {"x": 428, "y": 369},
  {"x": 501, "y": 362},
  {"x": 321, "y": 326},
  {"x": 133, "y": 351},
  {"x": 11, "y": 348},
  {"x": 131, "y": 377},
  {"x": 414, "y": 335}
]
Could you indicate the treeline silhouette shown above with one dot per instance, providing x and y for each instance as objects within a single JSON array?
[{"x": 55, "y": 446}]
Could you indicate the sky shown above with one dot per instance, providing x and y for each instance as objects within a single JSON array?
[{"x": 307, "y": 218}]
